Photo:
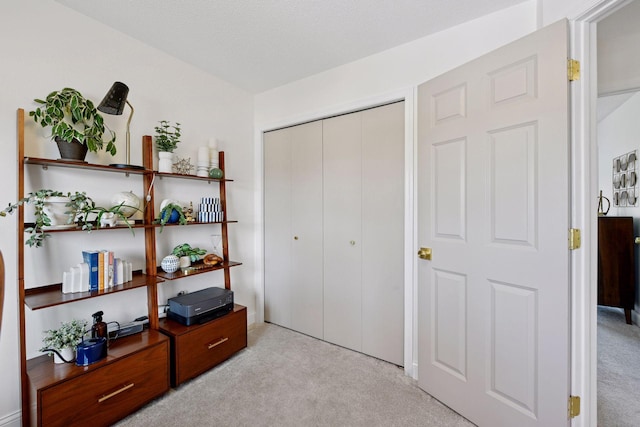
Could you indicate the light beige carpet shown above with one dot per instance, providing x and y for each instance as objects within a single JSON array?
[
  {"x": 618, "y": 370},
  {"x": 284, "y": 378}
]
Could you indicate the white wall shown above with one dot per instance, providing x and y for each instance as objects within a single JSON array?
[
  {"x": 617, "y": 135},
  {"x": 395, "y": 69},
  {"x": 44, "y": 47}
]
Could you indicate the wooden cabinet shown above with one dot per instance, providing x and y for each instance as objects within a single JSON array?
[
  {"x": 616, "y": 263},
  {"x": 135, "y": 372},
  {"x": 343, "y": 254},
  {"x": 198, "y": 348}
]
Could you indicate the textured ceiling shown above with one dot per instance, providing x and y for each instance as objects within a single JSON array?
[{"x": 261, "y": 44}]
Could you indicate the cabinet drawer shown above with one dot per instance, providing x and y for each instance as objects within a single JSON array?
[
  {"x": 207, "y": 345},
  {"x": 109, "y": 393}
]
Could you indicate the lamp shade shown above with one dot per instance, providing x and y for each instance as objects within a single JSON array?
[{"x": 115, "y": 100}]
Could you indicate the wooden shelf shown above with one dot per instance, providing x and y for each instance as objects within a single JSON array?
[
  {"x": 183, "y": 176},
  {"x": 199, "y": 269},
  {"x": 83, "y": 165},
  {"x": 51, "y": 295},
  {"x": 138, "y": 224},
  {"x": 173, "y": 224}
]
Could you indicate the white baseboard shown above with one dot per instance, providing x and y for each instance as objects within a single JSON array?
[
  {"x": 11, "y": 420},
  {"x": 635, "y": 317}
]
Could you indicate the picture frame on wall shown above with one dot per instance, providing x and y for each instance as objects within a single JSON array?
[{"x": 625, "y": 180}]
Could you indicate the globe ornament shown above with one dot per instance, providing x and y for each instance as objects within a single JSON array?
[
  {"x": 129, "y": 203},
  {"x": 170, "y": 263},
  {"x": 216, "y": 173}
]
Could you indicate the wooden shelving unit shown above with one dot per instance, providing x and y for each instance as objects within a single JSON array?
[{"x": 137, "y": 368}]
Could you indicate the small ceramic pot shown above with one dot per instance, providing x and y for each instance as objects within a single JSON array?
[{"x": 185, "y": 261}]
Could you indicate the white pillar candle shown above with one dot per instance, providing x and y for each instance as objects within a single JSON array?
[
  {"x": 203, "y": 154},
  {"x": 213, "y": 143}
]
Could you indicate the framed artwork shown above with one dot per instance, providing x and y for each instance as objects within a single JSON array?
[{"x": 625, "y": 180}]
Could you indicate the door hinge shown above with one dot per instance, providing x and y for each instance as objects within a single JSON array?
[
  {"x": 574, "y": 238},
  {"x": 573, "y": 70},
  {"x": 574, "y": 406}
]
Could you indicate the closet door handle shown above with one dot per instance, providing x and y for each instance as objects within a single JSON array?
[{"x": 352, "y": 242}]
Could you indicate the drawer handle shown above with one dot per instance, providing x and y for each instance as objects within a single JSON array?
[
  {"x": 215, "y": 344},
  {"x": 110, "y": 395}
]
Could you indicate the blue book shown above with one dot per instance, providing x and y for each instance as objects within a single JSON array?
[{"x": 91, "y": 258}]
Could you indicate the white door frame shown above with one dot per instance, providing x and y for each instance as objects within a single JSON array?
[
  {"x": 584, "y": 189},
  {"x": 410, "y": 229}
]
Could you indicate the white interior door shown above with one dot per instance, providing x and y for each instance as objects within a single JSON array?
[
  {"x": 342, "y": 169},
  {"x": 306, "y": 228},
  {"x": 493, "y": 205},
  {"x": 383, "y": 232},
  {"x": 277, "y": 231}
]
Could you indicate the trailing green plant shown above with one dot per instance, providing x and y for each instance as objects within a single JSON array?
[
  {"x": 80, "y": 208},
  {"x": 67, "y": 335},
  {"x": 72, "y": 116},
  {"x": 165, "y": 215},
  {"x": 185, "y": 249},
  {"x": 167, "y": 136}
]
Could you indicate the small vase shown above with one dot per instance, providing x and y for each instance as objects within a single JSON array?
[
  {"x": 165, "y": 162},
  {"x": 67, "y": 353}
]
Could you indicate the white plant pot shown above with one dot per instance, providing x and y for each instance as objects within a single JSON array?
[
  {"x": 185, "y": 261},
  {"x": 68, "y": 353},
  {"x": 165, "y": 162},
  {"x": 56, "y": 209}
]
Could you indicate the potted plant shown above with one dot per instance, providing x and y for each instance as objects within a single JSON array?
[
  {"x": 62, "y": 341},
  {"x": 77, "y": 209},
  {"x": 76, "y": 124},
  {"x": 187, "y": 254},
  {"x": 167, "y": 139},
  {"x": 171, "y": 213}
]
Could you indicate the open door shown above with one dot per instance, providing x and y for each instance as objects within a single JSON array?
[{"x": 493, "y": 207}]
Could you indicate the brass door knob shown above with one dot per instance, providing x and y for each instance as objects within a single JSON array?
[
  {"x": 425, "y": 253},
  {"x": 637, "y": 240}
]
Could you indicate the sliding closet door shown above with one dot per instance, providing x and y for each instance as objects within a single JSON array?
[
  {"x": 383, "y": 232},
  {"x": 342, "y": 209},
  {"x": 277, "y": 230},
  {"x": 306, "y": 228},
  {"x": 293, "y": 228}
]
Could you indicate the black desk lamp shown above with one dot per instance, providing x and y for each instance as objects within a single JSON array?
[{"x": 113, "y": 103}]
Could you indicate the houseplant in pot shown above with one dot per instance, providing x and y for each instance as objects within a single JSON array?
[
  {"x": 62, "y": 341},
  {"x": 167, "y": 139},
  {"x": 73, "y": 209},
  {"x": 76, "y": 125}
]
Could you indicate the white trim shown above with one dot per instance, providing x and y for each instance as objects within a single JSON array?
[
  {"x": 410, "y": 280},
  {"x": 584, "y": 187},
  {"x": 12, "y": 419}
]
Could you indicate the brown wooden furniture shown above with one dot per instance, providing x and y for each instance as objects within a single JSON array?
[
  {"x": 135, "y": 372},
  {"x": 138, "y": 368},
  {"x": 198, "y": 348},
  {"x": 616, "y": 263}
]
